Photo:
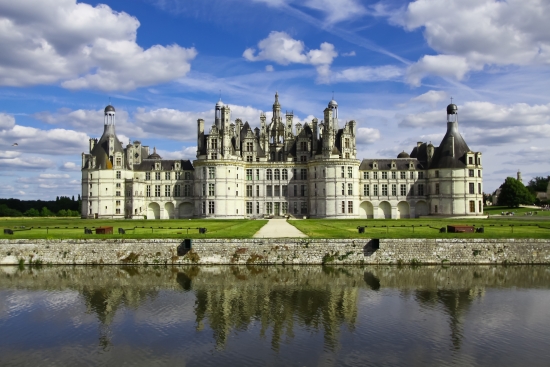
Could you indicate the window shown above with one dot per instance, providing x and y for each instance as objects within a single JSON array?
[
  {"x": 285, "y": 207},
  {"x": 248, "y": 207},
  {"x": 365, "y": 175},
  {"x": 303, "y": 190},
  {"x": 393, "y": 175},
  {"x": 350, "y": 172},
  {"x": 203, "y": 189},
  {"x": 214, "y": 143},
  {"x": 470, "y": 160},
  {"x": 375, "y": 175},
  {"x": 303, "y": 207},
  {"x": 347, "y": 155},
  {"x": 343, "y": 189},
  {"x": 384, "y": 175},
  {"x": 366, "y": 190},
  {"x": 403, "y": 175},
  {"x": 375, "y": 190},
  {"x": 166, "y": 190},
  {"x": 412, "y": 175},
  {"x": 204, "y": 172},
  {"x": 350, "y": 207},
  {"x": 472, "y": 206},
  {"x": 471, "y": 173},
  {"x": 269, "y": 190},
  {"x": 147, "y": 175},
  {"x": 269, "y": 208},
  {"x": 187, "y": 175},
  {"x": 403, "y": 190},
  {"x": 211, "y": 189},
  {"x": 277, "y": 190},
  {"x": 471, "y": 188},
  {"x": 187, "y": 190},
  {"x": 249, "y": 146},
  {"x": 214, "y": 156},
  {"x": 211, "y": 207},
  {"x": 479, "y": 188},
  {"x": 480, "y": 207},
  {"x": 350, "y": 189},
  {"x": 148, "y": 191},
  {"x": 437, "y": 189},
  {"x": 177, "y": 190},
  {"x": 257, "y": 190},
  {"x": 257, "y": 208},
  {"x": 295, "y": 190},
  {"x": 118, "y": 174},
  {"x": 211, "y": 172},
  {"x": 157, "y": 191},
  {"x": 118, "y": 203},
  {"x": 118, "y": 185},
  {"x": 157, "y": 175},
  {"x": 478, "y": 173},
  {"x": 343, "y": 172},
  {"x": 277, "y": 175},
  {"x": 420, "y": 190},
  {"x": 118, "y": 211},
  {"x": 411, "y": 192},
  {"x": 346, "y": 142},
  {"x": 285, "y": 190},
  {"x": 343, "y": 207},
  {"x": 420, "y": 175},
  {"x": 249, "y": 191},
  {"x": 257, "y": 174},
  {"x": 436, "y": 174},
  {"x": 249, "y": 174},
  {"x": 303, "y": 145},
  {"x": 167, "y": 175},
  {"x": 384, "y": 189},
  {"x": 178, "y": 175},
  {"x": 285, "y": 174},
  {"x": 269, "y": 175},
  {"x": 435, "y": 208},
  {"x": 303, "y": 174},
  {"x": 394, "y": 190}
]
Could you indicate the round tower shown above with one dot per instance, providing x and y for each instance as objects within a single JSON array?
[{"x": 109, "y": 117}]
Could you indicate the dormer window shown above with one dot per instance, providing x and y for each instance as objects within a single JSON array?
[
  {"x": 374, "y": 165},
  {"x": 157, "y": 166}
]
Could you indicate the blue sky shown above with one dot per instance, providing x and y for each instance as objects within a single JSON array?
[{"x": 392, "y": 67}]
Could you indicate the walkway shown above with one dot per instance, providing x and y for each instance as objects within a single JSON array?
[{"x": 276, "y": 228}]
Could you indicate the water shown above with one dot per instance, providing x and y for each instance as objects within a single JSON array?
[{"x": 275, "y": 316}]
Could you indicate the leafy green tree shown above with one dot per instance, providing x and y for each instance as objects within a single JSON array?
[
  {"x": 5, "y": 211},
  {"x": 62, "y": 213},
  {"x": 32, "y": 212},
  {"x": 45, "y": 212},
  {"x": 513, "y": 193},
  {"x": 538, "y": 184}
]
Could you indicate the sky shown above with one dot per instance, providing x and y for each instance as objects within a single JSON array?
[{"x": 391, "y": 65}]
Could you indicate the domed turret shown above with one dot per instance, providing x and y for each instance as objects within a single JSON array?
[
  {"x": 219, "y": 104},
  {"x": 403, "y": 155},
  {"x": 332, "y": 103},
  {"x": 109, "y": 108},
  {"x": 154, "y": 155},
  {"x": 452, "y": 109}
]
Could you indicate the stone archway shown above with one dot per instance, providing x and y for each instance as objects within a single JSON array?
[
  {"x": 421, "y": 208},
  {"x": 384, "y": 210},
  {"x": 153, "y": 211},
  {"x": 403, "y": 210},
  {"x": 185, "y": 210},
  {"x": 169, "y": 210},
  {"x": 366, "y": 210}
]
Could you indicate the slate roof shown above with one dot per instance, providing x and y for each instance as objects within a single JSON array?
[
  {"x": 401, "y": 164},
  {"x": 165, "y": 165},
  {"x": 101, "y": 150}
]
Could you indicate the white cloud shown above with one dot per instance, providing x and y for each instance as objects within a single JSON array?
[
  {"x": 55, "y": 141},
  {"x": 53, "y": 175},
  {"x": 366, "y": 74},
  {"x": 186, "y": 153},
  {"x": 6, "y": 121},
  {"x": 348, "y": 54},
  {"x": 28, "y": 162},
  {"x": 269, "y": 68},
  {"x": 337, "y": 10},
  {"x": 367, "y": 135},
  {"x": 431, "y": 97},
  {"x": 69, "y": 166},
  {"x": 470, "y": 34},
  {"x": 284, "y": 50},
  {"x": 45, "y": 42}
]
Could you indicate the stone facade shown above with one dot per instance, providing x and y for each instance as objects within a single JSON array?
[
  {"x": 280, "y": 169},
  {"x": 277, "y": 251}
]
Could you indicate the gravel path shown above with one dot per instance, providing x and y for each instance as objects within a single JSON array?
[{"x": 276, "y": 228}]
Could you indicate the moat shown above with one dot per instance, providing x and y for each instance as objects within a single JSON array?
[{"x": 275, "y": 315}]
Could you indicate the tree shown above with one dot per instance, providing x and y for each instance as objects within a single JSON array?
[
  {"x": 45, "y": 212},
  {"x": 32, "y": 212},
  {"x": 538, "y": 184},
  {"x": 513, "y": 193}
]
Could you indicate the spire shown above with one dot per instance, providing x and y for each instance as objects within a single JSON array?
[
  {"x": 276, "y": 100},
  {"x": 276, "y": 108}
]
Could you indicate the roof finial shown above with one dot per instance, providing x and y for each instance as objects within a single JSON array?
[
  {"x": 451, "y": 99},
  {"x": 332, "y": 94},
  {"x": 220, "y": 94}
]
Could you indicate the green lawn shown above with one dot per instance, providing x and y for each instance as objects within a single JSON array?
[
  {"x": 497, "y": 210},
  {"x": 178, "y": 228},
  {"x": 421, "y": 228}
]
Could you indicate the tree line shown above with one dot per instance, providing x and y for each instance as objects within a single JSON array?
[
  {"x": 62, "y": 206},
  {"x": 513, "y": 193}
]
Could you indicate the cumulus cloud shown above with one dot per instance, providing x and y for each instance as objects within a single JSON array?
[
  {"x": 486, "y": 114},
  {"x": 6, "y": 121},
  {"x": 81, "y": 46},
  {"x": 69, "y": 166},
  {"x": 55, "y": 141},
  {"x": 431, "y": 97},
  {"x": 367, "y": 135},
  {"x": 470, "y": 34},
  {"x": 53, "y": 175},
  {"x": 28, "y": 162},
  {"x": 279, "y": 47},
  {"x": 367, "y": 74}
]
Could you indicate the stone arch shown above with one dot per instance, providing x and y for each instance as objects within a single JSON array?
[
  {"x": 384, "y": 210},
  {"x": 153, "y": 211},
  {"x": 366, "y": 210},
  {"x": 169, "y": 210},
  {"x": 185, "y": 210},
  {"x": 421, "y": 208},
  {"x": 403, "y": 210}
]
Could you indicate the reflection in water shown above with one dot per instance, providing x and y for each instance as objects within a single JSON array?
[{"x": 352, "y": 308}]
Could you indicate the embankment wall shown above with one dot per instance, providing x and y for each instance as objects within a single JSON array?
[{"x": 276, "y": 251}]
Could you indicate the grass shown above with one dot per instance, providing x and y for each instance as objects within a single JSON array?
[
  {"x": 497, "y": 210},
  {"x": 422, "y": 228},
  {"x": 73, "y": 228}
]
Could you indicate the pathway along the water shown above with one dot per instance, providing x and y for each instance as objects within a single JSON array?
[{"x": 276, "y": 228}]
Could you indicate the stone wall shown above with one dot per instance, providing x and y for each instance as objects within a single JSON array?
[{"x": 277, "y": 251}]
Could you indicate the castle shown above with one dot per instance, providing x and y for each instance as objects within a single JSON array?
[{"x": 280, "y": 169}]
